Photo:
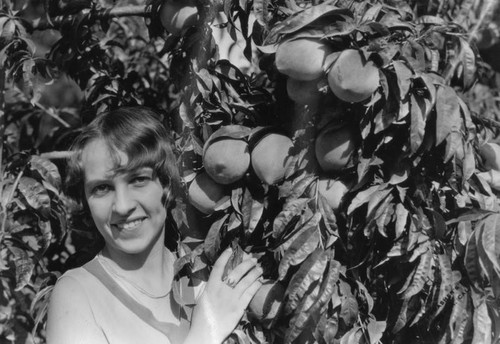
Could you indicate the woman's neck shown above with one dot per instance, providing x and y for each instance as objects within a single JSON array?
[{"x": 153, "y": 268}]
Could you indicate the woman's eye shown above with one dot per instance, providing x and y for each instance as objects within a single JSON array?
[
  {"x": 101, "y": 190},
  {"x": 140, "y": 180}
]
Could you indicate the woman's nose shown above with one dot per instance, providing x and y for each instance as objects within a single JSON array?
[{"x": 123, "y": 202}]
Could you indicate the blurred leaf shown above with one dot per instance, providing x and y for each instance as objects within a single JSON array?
[
  {"x": 482, "y": 325},
  {"x": 290, "y": 210},
  {"x": 47, "y": 170},
  {"x": 349, "y": 308},
  {"x": 362, "y": 197},
  {"x": 375, "y": 330},
  {"x": 24, "y": 266},
  {"x": 302, "y": 246},
  {"x": 311, "y": 306},
  {"x": 308, "y": 274},
  {"x": 35, "y": 194},
  {"x": 417, "y": 129},
  {"x": 303, "y": 18},
  {"x": 448, "y": 117},
  {"x": 419, "y": 277},
  {"x": 213, "y": 238}
]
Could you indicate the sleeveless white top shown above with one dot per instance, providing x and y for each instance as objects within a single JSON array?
[{"x": 116, "y": 314}]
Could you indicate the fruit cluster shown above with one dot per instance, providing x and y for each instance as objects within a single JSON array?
[{"x": 229, "y": 154}]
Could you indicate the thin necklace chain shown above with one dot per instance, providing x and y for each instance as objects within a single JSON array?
[{"x": 123, "y": 278}]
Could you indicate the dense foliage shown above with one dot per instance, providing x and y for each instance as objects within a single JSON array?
[{"x": 410, "y": 252}]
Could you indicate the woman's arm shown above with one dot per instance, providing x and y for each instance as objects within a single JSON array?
[
  {"x": 222, "y": 303},
  {"x": 70, "y": 318}
]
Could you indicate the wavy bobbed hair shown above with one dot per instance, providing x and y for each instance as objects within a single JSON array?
[{"x": 135, "y": 131}]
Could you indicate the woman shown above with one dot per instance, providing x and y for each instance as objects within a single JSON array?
[{"x": 124, "y": 172}]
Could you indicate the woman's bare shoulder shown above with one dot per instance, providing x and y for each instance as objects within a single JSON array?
[{"x": 70, "y": 317}]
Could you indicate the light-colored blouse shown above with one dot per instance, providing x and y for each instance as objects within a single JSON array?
[{"x": 122, "y": 319}]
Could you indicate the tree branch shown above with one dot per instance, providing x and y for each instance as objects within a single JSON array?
[{"x": 91, "y": 16}]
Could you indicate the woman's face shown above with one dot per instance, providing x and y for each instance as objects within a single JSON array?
[{"x": 127, "y": 207}]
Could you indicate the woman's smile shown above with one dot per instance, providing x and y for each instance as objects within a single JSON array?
[{"x": 129, "y": 225}]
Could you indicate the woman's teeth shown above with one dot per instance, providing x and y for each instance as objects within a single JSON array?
[{"x": 129, "y": 225}]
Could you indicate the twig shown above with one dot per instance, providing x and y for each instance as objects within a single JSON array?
[
  {"x": 56, "y": 155},
  {"x": 489, "y": 7},
  {"x": 489, "y": 121},
  {"x": 92, "y": 16}
]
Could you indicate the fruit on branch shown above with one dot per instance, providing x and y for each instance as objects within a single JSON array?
[
  {"x": 204, "y": 193},
  {"x": 303, "y": 92},
  {"x": 334, "y": 147},
  {"x": 177, "y": 16},
  {"x": 302, "y": 58},
  {"x": 490, "y": 152},
  {"x": 333, "y": 191},
  {"x": 492, "y": 177},
  {"x": 270, "y": 157},
  {"x": 226, "y": 160},
  {"x": 352, "y": 78},
  {"x": 266, "y": 304}
]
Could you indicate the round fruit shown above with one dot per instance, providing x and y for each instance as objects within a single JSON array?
[
  {"x": 266, "y": 303},
  {"x": 177, "y": 16},
  {"x": 352, "y": 78},
  {"x": 333, "y": 191},
  {"x": 227, "y": 160},
  {"x": 334, "y": 147},
  {"x": 302, "y": 58},
  {"x": 270, "y": 158},
  {"x": 204, "y": 193},
  {"x": 303, "y": 92},
  {"x": 490, "y": 152}
]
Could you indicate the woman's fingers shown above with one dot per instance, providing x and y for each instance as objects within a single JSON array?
[
  {"x": 249, "y": 279},
  {"x": 234, "y": 277},
  {"x": 249, "y": 292},
  {"x": 218, "y": 269}
]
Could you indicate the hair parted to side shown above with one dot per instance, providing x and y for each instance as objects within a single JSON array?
[{"x": 135, "y": 131}]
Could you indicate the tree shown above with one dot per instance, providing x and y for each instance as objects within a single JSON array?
[{"x": 379, "y": 223}]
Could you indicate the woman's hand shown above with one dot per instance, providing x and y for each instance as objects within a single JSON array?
[{"x": 222, "y": 303}]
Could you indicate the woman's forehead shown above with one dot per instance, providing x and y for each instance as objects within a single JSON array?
[{"x": 100, "y": 160}]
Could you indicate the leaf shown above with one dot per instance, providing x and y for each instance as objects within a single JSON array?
[
  {"x": 470, "y": 214},
  {"x": 309, "y": 273},
  {"x": 482, "y": 325},
  {"x": 328, "y": 217},
  {"x": 213, "y": 238},
  {"x": 404, "y": 75},
  {"x": 490, "y": 242},
  {"x": 448, "y": 118},
  {"x": 401, "y": 219},
  {"x": 35, "y": 194},
  {"x": 234, "y": 260},
  {"x": 24, "y": 266},
  {"x": 47, "y": 170},
  {"x": 375, "y": 330},
  {"x": 302, "y": 246},
  {"x": 471, "y": 262},
  {"x": 349, "y": 308},
  {"x": 291, "y": 210},
  {"x": 420, "y": 277},
  {"x": 300, "y": 19},
  {"x": 417, "y": 129},
  {"x": 309, "y": 309},
  {"x": 252, "y": 210},
  {"x": 468, "y": 64},
  {"x": 446, "y": 283},
  {"x": 362, "y": 197}
]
